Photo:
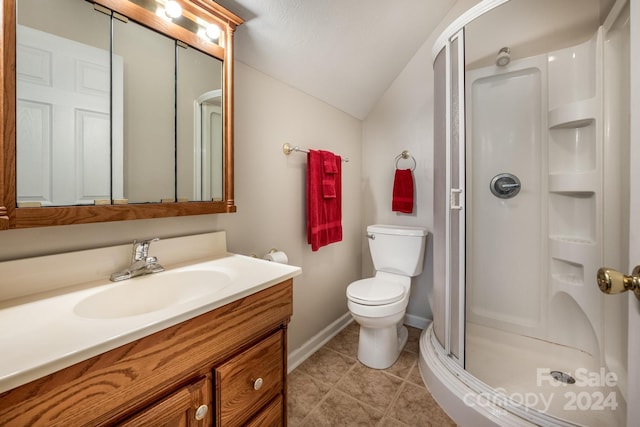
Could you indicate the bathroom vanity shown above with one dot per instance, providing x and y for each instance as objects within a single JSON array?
[{"x": 217, "y": 359}]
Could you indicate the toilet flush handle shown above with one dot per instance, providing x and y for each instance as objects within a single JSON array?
[{"x": 371, "y": 236}]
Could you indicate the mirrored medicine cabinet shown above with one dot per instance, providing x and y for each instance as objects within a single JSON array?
[{"x": 115, "y": 110}]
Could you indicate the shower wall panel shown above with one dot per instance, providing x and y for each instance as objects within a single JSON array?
[{"x": 507, "y": 117}]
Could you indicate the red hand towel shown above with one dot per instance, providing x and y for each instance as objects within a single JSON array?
[
  {"x": 324, "y": 215},
  {"x": 402, "y": 200},
  {"x": 329, "y": 174}
]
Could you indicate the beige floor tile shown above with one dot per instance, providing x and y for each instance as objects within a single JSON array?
[
  {"x": 415, "y": 377},
  {"x": 327, "y": 365},
  {"x": 416, "y": 407},
  {"x": 373, "y": 387},
  {"x": 390, "y": 422},
  {"x": 413, "y": 341},
  {"x": 304, "y": 393},
  {"x": 403, "y": 365},
  {"x": 332, "y": 388},
  {"x": 339, "y": 409},
  {"x": 353, "y": 326},
  {"x": 346, "y": 342}
]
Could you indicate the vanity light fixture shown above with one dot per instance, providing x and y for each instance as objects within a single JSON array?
[
  {"x": 213, "y": 31},
  {"x": 209, "y": 32},
  {"x": 173, "y": 9}
]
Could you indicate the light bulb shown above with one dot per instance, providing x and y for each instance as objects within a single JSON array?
[
  {"x": 213, "y": 31},
  {"x": 173, "y": 9}
]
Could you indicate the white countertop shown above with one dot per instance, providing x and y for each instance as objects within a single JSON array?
[{"x": 43, "y": 334}]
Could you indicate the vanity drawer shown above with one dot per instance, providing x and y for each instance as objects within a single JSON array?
[
  {"x": 245, "y": 383},
  {"x": 271, "y": 416}
]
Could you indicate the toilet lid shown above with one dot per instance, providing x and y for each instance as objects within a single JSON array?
[{"x": 375, "y": 291}]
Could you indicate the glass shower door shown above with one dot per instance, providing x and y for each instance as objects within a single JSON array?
[{"x": 449, "y": 213}]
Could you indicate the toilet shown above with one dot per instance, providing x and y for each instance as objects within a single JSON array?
[{"x": 378, "y": 304}]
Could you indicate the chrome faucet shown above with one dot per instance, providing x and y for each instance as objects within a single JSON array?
[{"x": 141, "y": 262}]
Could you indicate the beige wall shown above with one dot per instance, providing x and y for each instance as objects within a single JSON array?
[
  {"x": 270, "y": 194},
  {"x": 403, "y": 120}
]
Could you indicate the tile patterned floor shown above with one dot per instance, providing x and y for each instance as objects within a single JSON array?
[{"x": 332, "y": 388}]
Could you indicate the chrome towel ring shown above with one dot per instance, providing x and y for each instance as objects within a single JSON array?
[{"x": 405, "y": 155}]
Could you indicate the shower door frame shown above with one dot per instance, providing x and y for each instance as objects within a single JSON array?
[{"x": 455, "y": 220}]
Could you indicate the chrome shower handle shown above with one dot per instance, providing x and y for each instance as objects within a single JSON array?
[
  {"x": 505, "y": 185},
  {"x": 514, "y": 185}
]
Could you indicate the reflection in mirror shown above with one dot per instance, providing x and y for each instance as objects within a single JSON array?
[
  {"x": 149, "y": 93},
  {"x": 63, "y": 104},
  {"x": 199, "y": 125}
]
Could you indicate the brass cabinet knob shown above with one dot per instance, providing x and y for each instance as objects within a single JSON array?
[
  {"x": 611, "y": 281},
  {"x": 257, "y": 384},
  {"x": 201, "y": 412}
]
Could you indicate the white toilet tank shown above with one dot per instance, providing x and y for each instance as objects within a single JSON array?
[{"x": 397, "y": 249}]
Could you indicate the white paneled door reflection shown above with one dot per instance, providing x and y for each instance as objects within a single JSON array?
[{"x": 63, "y": 125}]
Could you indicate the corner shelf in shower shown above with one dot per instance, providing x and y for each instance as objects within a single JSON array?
[
  {"x": 573, "y": 146},
  {"x": 570, "y": 255},
  {"x": 568, "y": 280},
  {"x": 573, "y": 115},
  {"x": 573, "y": 183}
]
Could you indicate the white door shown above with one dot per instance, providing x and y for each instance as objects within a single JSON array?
[
  {"x": 63, "y": 121},
  {"x": 633, "y": 408},
  {"x": 209, "y": 146}
]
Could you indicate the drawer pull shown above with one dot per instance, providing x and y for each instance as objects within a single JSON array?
[
  {"x": 201, "y": 412},
  {"x": 257, "y": 384}
]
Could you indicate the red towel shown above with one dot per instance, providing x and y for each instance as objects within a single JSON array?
[
  {"x": 324, "y": 214},
  {"x": 329, "y": 176},
  {"x": 402, "y": 191}
]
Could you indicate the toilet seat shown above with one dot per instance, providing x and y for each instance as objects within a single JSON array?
[{"x": 375, "y": 291}]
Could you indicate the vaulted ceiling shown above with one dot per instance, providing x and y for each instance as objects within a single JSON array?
[
  {"x": 348, "y": 52},
  {"x": 344, "y": 52}
]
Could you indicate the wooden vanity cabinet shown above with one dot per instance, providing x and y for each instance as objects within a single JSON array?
[{"x": 231, "y": 359}]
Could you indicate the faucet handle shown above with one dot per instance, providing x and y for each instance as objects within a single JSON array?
[{"x": 141, "y": 249}]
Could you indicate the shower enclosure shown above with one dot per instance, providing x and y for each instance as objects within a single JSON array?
[{"x": 530, "y": 187}]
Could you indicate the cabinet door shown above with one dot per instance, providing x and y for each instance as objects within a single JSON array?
[
  {"x": 184, "y": 408},
  {"x": 248, "y": 381}
]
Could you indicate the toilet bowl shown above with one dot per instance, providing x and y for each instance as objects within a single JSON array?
[{"x": 378, "y": 304}]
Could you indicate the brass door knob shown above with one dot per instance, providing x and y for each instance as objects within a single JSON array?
[{"x": 611, "y": 281}]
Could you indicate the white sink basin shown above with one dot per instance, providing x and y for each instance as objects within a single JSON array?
[{"x": 152, "y": 292}]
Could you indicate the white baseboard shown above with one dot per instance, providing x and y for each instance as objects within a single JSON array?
[
  {"x": 416, "y": 321},
  {"x": 299, "y": 355}
]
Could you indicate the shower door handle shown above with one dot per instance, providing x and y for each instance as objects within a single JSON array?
[
  {"x": 455, "y": 206},
  {"x": 611, "y": 281}
]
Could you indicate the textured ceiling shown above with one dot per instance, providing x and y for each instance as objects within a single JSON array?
[{"x": 344, "y": 52}]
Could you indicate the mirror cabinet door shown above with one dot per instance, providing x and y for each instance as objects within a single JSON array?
[
  {"x": 62, "y": 103},
  {"x": 148, "y": 60},
  {"x": 199, "y": 144}
]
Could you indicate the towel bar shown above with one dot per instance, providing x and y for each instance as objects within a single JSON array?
[{"x": 288, "y": 149}]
